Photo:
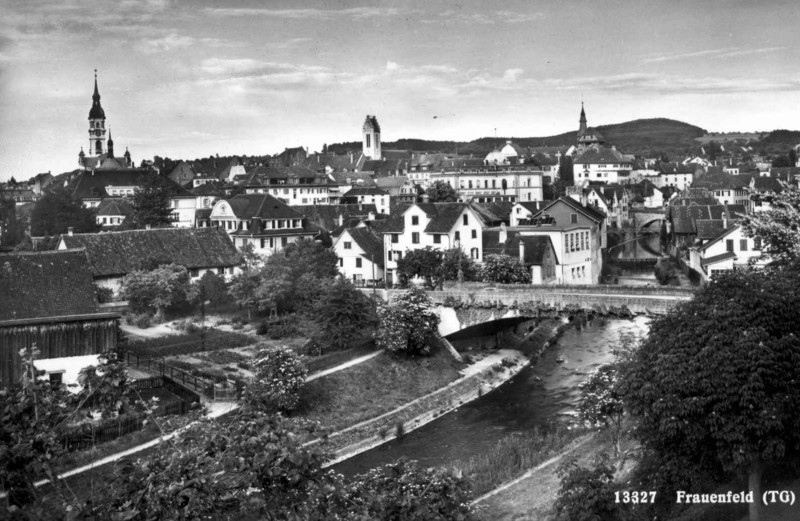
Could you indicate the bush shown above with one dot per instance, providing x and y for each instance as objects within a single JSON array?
[
  {"x": 279, "y": 376},
  {"x": 215, "y": 340},
  {"x": 262, "y": 329},
  {"x": 104, "y": 294},
  {"x": 141, "y": 320}
]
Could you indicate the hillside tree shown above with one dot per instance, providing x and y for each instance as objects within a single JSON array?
[
  {"x": 343, "y": 312},
  {"x": 715, "y": 387},
  {"x": 407, "y": 324},
  {"x": 778, "y": 228}
]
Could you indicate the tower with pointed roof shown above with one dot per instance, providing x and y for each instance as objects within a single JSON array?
[
  {"x": 371, "y": 132},
  {"x": 587, "y": 137},
  {"x": 97, "y": 123}
]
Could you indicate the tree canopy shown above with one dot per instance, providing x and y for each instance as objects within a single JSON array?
[
  {"x": 156, "y": 290},
  {"x": 716, "y": 386},
  {"x": 504, "y": 269},
  {"x": 778, "y": 228},
  {"x": 407, "y": 324},
  {"x": 343, "y": 312},
  {"x": 442, "y": 192},
  {"x": 58, "y": 211},
  {"x": 151, "y": 202}
]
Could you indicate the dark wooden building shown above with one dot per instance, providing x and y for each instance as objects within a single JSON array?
[{"x": 49, "y": 299}]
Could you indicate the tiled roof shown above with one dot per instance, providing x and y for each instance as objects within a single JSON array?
[
  {"x": 384, "y": 167},
  {"x": 370, "y": 242},
  {"x": 724, "y": 232},
  {"x": 600, "y": 155},
  {"x": 114, "y": 206},
  {"x": 326, "y": 216},
  {"x": 588, "y": 211},
  {"x": 721, "y": 181},
  {"x": 767, "y": 184},
  {"x": 443, "y": 215},
  {"x": 676, "y": 168},
  {"x": 462, "y": 162},
  {"x": 256, "y": 230},
  {"x": 261, "y": 175},
  {"x": 370, "y": 190},
  {"x": 718, "y": 258},
  {"x": 785, "y": 173},
  {"x": 402, "y": 155},
  {"x": 684, "y": 217},
  {"x": 694, "y": 201},
  {"x": 337, "y": 163},
  {"x": 353, "y": 178},
  {"x": 119, "y": 253},
  {"x": 431, "y": 161},
  {"x": 46, "y": 284},
  {"x": 391, "y": 182},
  {"x": 708, "y": 229},
  {"x": 493, "y": 214},
  {"x": 534, "y": 206},
  {"x": 92, "y": 184},
  {"x": 263, "y": 206}
]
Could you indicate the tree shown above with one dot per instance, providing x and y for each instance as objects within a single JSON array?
[
  {"x": 106, "y": 385},
  {"x": 157, "y": 290},
  {"x": 342, "y": 313},
  {"x": 601, "y": 402},
  {"x": 442, "y": 192},
  {"x": 425, "y": 263},
  {"x": 11, "y": 230},
  {"x": 58, "y": 211},
  {"x": 211, "y": 287},
  {"x": 778, "y": 228},
  {"x": 279, "y": 377},
  {"x": 455, "y": 261},
  {"x": 504, "y": 269},
  {"x": 716, "y": 386},
  {"x": 243, "y": 289},
  {"x": 586, "y": 494},
  {"x": 151, "y": 202},
  {"x": 565, "y": 171},
  {"x": 781, "y": 162},
  {"x": 792, "y": 157},
  {"x": 407, "y": 324}
]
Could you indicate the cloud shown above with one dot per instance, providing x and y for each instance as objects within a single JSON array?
[
  {"x": 174, "y": 41},
  {"x": 392, "y": 66},
  {"x": 512, "y": 74},
  {"x": 484, "y": 18},
  {"x": 728, "y": 52},
  {"x": 356, "y": 13}
]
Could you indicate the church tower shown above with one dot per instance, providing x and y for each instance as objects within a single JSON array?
[
  {"x": 587, "y": 137},
  {"x": 582, "y": 123},
  {"x": 371, "y": 132},
  {"x": 97, "y": 124}
]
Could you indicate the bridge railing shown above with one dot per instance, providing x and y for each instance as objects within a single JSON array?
[{"x": 472, "y": 287}]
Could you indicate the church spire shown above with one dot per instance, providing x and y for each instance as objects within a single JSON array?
[
  {"x": 110, "y": 144},
  {"x": 96, "y": 95},
  {"x": 582, "y": 127}
]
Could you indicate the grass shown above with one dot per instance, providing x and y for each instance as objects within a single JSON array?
[
  {"x": 326, "y": 361},
  {"x": 374, "y": 387},
  {"x": 215, "y": 340},
  {"x": 513, "y": 456}
]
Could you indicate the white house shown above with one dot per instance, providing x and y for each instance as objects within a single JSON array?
[
  {"x": 360, "y": 254},
  {"x": 525, "y": 210},
  {"x": 368, "y": 195},
  {"x": 495, "y": 184},
  {"x": 439, "y": 225},
  {"x": 730, "y": 250},
  {"x": 601, "y": 164}
]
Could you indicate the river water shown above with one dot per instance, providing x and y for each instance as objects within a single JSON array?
[{"x": 546, "y": 390}]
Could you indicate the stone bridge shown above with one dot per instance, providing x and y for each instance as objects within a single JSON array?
[
  {"x": 473, "y": 304},
  {"x": 641, "y": 217}
]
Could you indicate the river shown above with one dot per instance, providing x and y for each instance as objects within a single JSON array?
[{"x": 546, "y": 390}]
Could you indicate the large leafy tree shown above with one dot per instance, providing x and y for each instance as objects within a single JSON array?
[
  {"x": 601, "y": 402},
  {"x": 11, "y": 229},
  {"x": 279, "y": 377},
  {"x": 442, "y": 192},
  {"x": 408, "y": 323},
  {"x": 151, "y": 202},
  {"x": 586, "y": 494},
  {"x": 456, "y": 263},
  {"x": 343, "y": 312},
  {"x": 58, "y": 211},
  {"x": 504, "y": 269},
  {"x": 156, "y": 290},
  {"x": 716, "y": 385},
  {"x": 425, "y": 263},
  {"x": 778, "y": 228}
]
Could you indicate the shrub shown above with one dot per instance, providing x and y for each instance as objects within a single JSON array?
[
  {"x": 142, "y": 320},
  {"x": 262, "y": 329},
  {"x": 279, "y": 376},
  {"x": 104, "y": 294},
  {"x": 215, "y": 340},
  {"x": 407, "y": 324}
]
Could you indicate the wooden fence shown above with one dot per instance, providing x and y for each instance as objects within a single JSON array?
[{"x": 175, "y": 378}]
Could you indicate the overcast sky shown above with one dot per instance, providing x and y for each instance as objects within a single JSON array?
[{"x": 189, "y": 79}]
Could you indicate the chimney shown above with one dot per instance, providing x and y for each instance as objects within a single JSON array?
[
  {"x": 69, "y": 231},
  {"x": 503, "y": 236},
  {"x": 521, "y": 251},
  {"x": 371, "y": 216},
  {"x": 146, "y": 226},
  {"x": 426, "y": 198},
  {"x": 341, "y": 219},
  {"x": 725, "y": 220}
]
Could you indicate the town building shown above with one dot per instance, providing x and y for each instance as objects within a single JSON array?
[
  {"x": 112, "y": 211},
  {"x": 294, "y": 185},
  {"x": 535, "y": 252},
  {"x": 439, "y": 225},
  {"x": 587, "y": 137},
  {"x": 508, "y": 154},
  {"x": 368, "y": 195},
  {"x": 605, "y": 165},
  {"x": 578, "y": 235},
  {"x": 401, "y": 189},
  {"x": 50, "y": 302},
  {"x": 731, "y": 249},
  {"x": 525, "y": 210},
  {"x": 683, "y": 221},
  {"x": 101, "y": 151},
  {"x": 371, "y": 132},
  {"x": 112, "y": 255},
  {"x": 495, "y": 183},
  {"x": 262, "y": 222},
  {"x": 360, "y": 254}
]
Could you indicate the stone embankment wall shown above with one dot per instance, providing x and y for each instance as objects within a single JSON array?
[{"x": 377, "y": 431}]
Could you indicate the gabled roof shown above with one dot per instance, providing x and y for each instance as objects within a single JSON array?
[
  {"x": 46, "y": 284},
  {"x": 494, "y": 213},
  {"x": 588, "y": 211},
  {"x": 384, "y": 167},
  {"x": 119, "y": 253},
  {"x": 92, "y": 184},
  {"x": 723, "y": 232},
  {"x": 353, "y": 178},
  {"x": 337, "y": 163},
  {"x": 391, "y": 182},
  {"x": 261, "y": 175},
  {"x": 767, "y": 184},
  {"x": 326, "y": 216},
  {"x": 534, "y": 206},
  {"x": 369, "y": 190},
  {"x": 369, "y": 242},
  {"x": 114, "y": 206},
  {"x": 462, "y": 162},
  {"x": 684, "y": 218},
  {"x": 708, "y": 229},
  {"x": 600, "y": 155},
  {"x": 721, "y": 181},
  {"x": 263, "y": 206},
  {"x": 443, "y": 215}
]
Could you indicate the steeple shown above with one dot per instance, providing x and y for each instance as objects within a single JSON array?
[
  {"x": 110, "y": 144},
  {"x": 582, "y": 127},
  {"x": 96, "y": 111},
  {"x": 97, "y": 123}
]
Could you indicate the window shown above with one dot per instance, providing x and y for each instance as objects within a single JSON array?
[
  {"x": 743, "y": 244},
  {"x": 284, "y": 241},
  {"x": 56, "y": 379},
  {"x": 358, "y": 262},
  {"x": 474, "y": 234},
  {"x": 368, "y": 140},
  {"x": 395, "y": 237},
  {"x": 757, "y": 243},
  {"x": 220, "y": 271},
  {"x": 390, "y": 254},
  {"x": 465, "y": 219},
  {"x": 474, "y": 254},
  {"x": 729, "y": 245},
  {"x": 458, "y": 236},
  {"x": 415, "y": 237},
  {"x": 194, "y": 272},
  {"x": 437, "y": 239},
  {"x": 573, "y": 218},
  {"x": 341, "y": 261},
  {"x": 348, "y": 245},
  {"x": 414, "y": 220}
]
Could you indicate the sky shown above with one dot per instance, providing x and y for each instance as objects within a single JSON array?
[{"x": 189, "y": 79}]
